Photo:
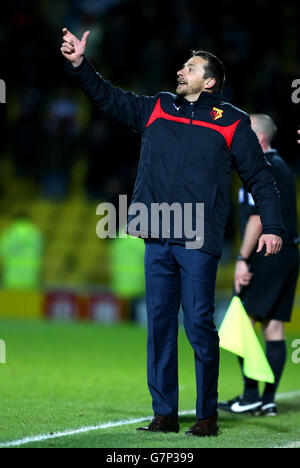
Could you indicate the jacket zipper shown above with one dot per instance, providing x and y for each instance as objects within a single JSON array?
[{"x": 183, "y": 158}]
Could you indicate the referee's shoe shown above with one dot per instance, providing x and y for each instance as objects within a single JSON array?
[
  {"x": 269, "y": 409},
  {"x": 240, "y": 405}
]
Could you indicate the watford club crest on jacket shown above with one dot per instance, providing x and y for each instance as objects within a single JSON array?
[{"x": 216, "y": 113}]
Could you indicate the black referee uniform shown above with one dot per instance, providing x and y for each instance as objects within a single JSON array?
[{"x": 270, "y": 294}]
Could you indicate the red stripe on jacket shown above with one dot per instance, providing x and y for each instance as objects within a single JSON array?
[{"x": 227, "y": 131}]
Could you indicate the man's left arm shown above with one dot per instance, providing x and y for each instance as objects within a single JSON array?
[{"x": 258, "y": 178}]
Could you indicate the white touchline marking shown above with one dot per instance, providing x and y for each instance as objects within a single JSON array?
[
  {"x": 283, "y": 396},
  {"x": 108, "y": 425},
  {"x": 290, "y": 445},
  {"x": 81, "y": 430}
]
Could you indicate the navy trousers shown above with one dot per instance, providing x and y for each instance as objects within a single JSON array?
[{"x": 173, "y": 275}]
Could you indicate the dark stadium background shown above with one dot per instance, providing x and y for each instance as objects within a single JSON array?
[{"x": 59, "y": 157}]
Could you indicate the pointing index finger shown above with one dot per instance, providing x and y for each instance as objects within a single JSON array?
[{"x": 68, "y": 33}]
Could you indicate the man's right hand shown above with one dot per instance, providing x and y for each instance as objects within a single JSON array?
[{"x": 72, "y": 48}]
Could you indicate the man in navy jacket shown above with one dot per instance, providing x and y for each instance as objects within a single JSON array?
[{"x": 192, "y": 141}]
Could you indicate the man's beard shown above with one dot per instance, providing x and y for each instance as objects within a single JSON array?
[
  {"x": 181, "y": 92},
  {"x": 186, "y": 90}
]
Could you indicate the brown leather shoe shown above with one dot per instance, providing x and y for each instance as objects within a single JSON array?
[
  {"x": 205, "y": 428},
  {"x": 161, "y": 424}
]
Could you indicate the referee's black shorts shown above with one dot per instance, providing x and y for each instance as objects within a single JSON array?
[{"x": 271, "y": 293}]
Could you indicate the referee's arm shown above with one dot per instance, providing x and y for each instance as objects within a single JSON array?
[
  {"x": 242, "y": 274},
  {"x": 252, "y": 234}
]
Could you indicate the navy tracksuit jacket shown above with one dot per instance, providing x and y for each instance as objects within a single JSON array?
[{"x": 188, "y": 154}]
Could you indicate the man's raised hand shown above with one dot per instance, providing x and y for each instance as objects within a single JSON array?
[{"x": 72, "y": 48}]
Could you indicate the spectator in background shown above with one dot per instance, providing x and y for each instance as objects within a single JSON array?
[
  {"x": 152, "y": 56},
  {"x": 60, "y": 136},
  {"x": 86, "y": 20},
  {"x": 112, "y": 154},
  {"x": 98, "y": 161},
  {"x": 116, "y": 48},
  {"x": 235, "y": 38},
  {"x": 21, "y": 253},
  {"x": 127, "y": 270},
  {"x": 94, "y": 7},
  {"x": 27, "y": 138}
]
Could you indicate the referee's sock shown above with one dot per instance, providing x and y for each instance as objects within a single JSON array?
[
  {"x": 276, "y": 355},
  {"x": 251, "y": 390}
]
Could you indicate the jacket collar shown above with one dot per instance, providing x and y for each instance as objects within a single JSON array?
[
  {"x": 205, "y": 98},
  {"x": 271, "y": 152}
]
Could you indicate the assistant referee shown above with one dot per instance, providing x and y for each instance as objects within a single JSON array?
[{"x": 267, "y": 284}]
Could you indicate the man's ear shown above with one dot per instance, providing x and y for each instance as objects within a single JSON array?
[
  {"x": 210, "y": 83},
  {"x": 261, "y": 138}
]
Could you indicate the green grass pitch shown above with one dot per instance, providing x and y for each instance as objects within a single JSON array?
[{"x": 66, "y": 376}]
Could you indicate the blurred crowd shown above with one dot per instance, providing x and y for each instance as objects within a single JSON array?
[{"x": 138, "y": 45}]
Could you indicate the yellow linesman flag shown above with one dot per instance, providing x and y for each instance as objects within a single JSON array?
[{"x": 237, "y": 335}]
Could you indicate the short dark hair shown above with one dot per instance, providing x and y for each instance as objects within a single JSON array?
[
  {"x": 214, "y": 68},
  {"x": 266, "y": 125}
]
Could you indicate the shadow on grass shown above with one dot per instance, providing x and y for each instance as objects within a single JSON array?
[
  {"x": 274, "y": 424},
  {"x": 129, "y": 440},
  {"x": 285, "y": 407},
  {"x": 226, "y": 421}
]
